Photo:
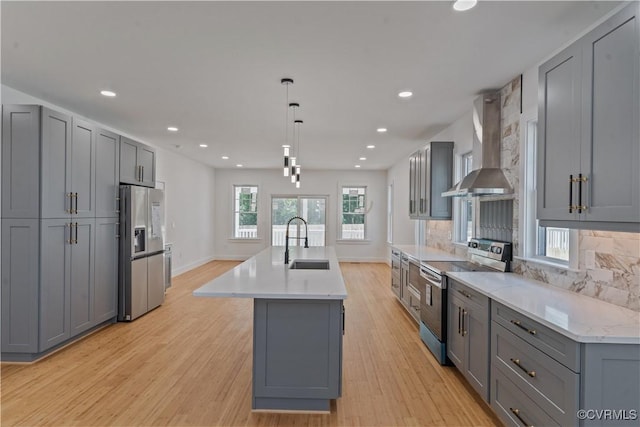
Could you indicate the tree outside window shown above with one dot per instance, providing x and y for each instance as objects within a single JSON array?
[
  {"x": 245, "y": 212},
  {"x": 353, "y": 213}
]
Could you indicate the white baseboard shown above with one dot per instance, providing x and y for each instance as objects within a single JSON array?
[
  {"x": 233, "y": 258},
  {"x": 178, "y": 271}
]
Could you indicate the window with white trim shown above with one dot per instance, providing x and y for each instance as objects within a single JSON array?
[
  {"x": 390, "y": 213},
  {"x": 547, "y": 243},
  {"x": 353, "y": 216},
  {"x": 464, "y": 219},
  {"x": 245, "y": 212}
]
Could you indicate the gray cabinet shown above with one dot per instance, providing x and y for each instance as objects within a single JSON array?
[
  {"x": 541, "y": 377},
  {"x": 107, "y": 174},
  {"x": 105, "y": 297},
  {"x": 137, "y": 163},
  {"x": 468, "y": 335},
  {"x": 430, "y": 174},
  {"x": 20, "y": 158},
  {"x": 404, "y": 279},
  {"x": 297, "y": 359},
  {"x": 589, "y": 133},
  {"x": 20, "y": 246},
  {"x": 68, "y": 166},
  {"x": 395, "y": 272},
  {"x": 49, "y": 239}
]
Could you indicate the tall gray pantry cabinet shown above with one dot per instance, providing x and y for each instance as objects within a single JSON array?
[
  {"x": 589, "y": 132},
  {"x": 59, "y": 229}
]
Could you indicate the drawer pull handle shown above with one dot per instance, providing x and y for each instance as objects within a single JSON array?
[
  {"x": 516, "y": 412},
  {"x": 519, "y": 325},
  {"x": 464, "y": 293},
  {"x": 516, "y": 362}
]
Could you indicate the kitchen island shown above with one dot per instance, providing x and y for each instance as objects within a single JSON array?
[{"x": 298, "y": 323}]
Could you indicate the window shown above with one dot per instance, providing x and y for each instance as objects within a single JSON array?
[
  {"x": 311, "y": 208},
  {"x": 353, "y": 213},
  {"x": 548, "y": 243},
  {"x": 245, "y": 212},
  {"x": 465, "y": 205},
  {"x": 390, "y": 213}
]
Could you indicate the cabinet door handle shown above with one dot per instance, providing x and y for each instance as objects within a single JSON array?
[
  {"x": 464, "y": 293},
  {"x": 516, "y": 362},
  {"x": 117, "y": 230},
  {"x": 580, "y": 206},
  {"x": 464, "y": 331},
  {"x": 343, "y": 319},
  {"x": 516, "y": 412},
  {"x": 459, "y": 321},
  {"x": 70, "y": 196},
  {"x": 571, "y": 207},
  {"x": 70, "y": 225},
  {"x": 75, "y": 241},
  {"x": 142, "y": 178},
  {"x": 524, "y": 328},
  {"x": 75, "y": 211}
]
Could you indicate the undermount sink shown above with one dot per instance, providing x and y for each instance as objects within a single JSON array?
[{"x": 309, "y": 264}]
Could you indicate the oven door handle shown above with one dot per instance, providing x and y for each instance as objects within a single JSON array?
[{"x": 434, "y": 280}]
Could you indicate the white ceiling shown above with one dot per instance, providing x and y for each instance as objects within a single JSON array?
[{"x": 213, "y": 69}]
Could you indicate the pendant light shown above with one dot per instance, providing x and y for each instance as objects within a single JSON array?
[
  {"x": 297, "y": 124},
  {"x": 286, "y": 82},
  {"x": 294, "y": 105}
]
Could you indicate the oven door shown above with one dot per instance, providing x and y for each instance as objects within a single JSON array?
[{"x": 431, "y": 301}]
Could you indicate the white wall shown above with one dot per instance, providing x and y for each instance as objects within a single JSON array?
[
  {"x": 325, "y": 183},
  {"x": 189, "y": 189}
]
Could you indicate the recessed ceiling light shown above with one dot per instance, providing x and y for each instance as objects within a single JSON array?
[
  {"x": 363, "y": 158},
  {"x": 238, "y": 165},
  {"x": 172, "y": 129},
  {"x": 203, "y": 145},
  {"x": 357, "y": 166},
  {"x": 462, "y": 5},
  {"x": 405, "y": 94},
  {"x": 382, "y": 130},
  {"x": 371, "y": 147},
  {"x": 107, "y": 93},
  {"x": 225, "y": 157}
]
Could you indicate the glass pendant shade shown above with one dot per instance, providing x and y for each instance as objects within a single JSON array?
[
  {"x": 293, "y": 170},
  {"x": 298, "y": 176},
  {"x": 286, "y": 161}
]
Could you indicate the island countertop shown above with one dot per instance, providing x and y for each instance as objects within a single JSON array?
[{"x": 265, "y": 275}]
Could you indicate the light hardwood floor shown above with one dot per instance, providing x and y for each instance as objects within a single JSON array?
[{"x": 188, "y": 363}]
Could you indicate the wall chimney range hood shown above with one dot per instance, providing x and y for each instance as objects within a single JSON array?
[{"x": 487, "y": 178}]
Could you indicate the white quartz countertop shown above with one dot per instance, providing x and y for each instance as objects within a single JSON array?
[
  {"x": 425, "y": 253},
  {"x": 581, "y": 318},
  {"x": 266, "y": 276}
]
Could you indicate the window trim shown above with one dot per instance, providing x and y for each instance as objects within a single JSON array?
[
  {"x": 298, "y": 224},
  {"x": 341, "y": 187},
  {"x": 233, "y": 236},
  {"x": 390, "y": 197},
  {"x": 530, "y": 228},
  {"x": 459, "y": 205}
]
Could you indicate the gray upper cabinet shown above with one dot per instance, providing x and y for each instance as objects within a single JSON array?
[
  {"x": 57, "y": 197},
  {"x": 430, "y": 174},
  {"x": 82, "y": 174},
  {"x": 589, "y": 132},
  {"x": 20, "y": 157},
  {"x": 107, "y": 174},
  {"x": 137, "y": 163}
]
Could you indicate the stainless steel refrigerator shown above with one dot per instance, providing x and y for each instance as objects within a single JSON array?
[{"x": 141, "y": 279}]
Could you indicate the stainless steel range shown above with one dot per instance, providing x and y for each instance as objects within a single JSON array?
[{"x": 484, "y": 255}]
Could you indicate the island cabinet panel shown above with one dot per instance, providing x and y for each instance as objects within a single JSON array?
[{"x": 297, "y": 353}]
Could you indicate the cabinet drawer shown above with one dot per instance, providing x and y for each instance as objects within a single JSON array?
[
  {"x": 414, "y": 302},
  {"x": 514, "y": 407},
  {"x": 552, "y": 343},
  {"x": 551, "y": 385},
  {"x": 466, "y": 293}
]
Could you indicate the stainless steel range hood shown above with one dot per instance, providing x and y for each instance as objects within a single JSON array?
[{"x": 487, "y": 178}]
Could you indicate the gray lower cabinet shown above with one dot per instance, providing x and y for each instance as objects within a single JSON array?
[
  {"x": 50, "y": 243},
  {"x": 137, "y": 163},
  {"x": 589, "y": 133},
  {"x": 297, "y": 353},
  {"x": 468, "y": 335},
  {"x": 541, "y": 377},
  {"x": 395, "y": 272},
  {"x": 20, "y": 276},
  {"x": 404, "y": 279}
]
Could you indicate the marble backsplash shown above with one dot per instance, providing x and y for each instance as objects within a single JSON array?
[{"x": 608, "y": 262}]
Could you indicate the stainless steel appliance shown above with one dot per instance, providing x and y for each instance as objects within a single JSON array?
[
  {"x": 484, "y": 255},
  {"x": 141, "y": 270}
]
